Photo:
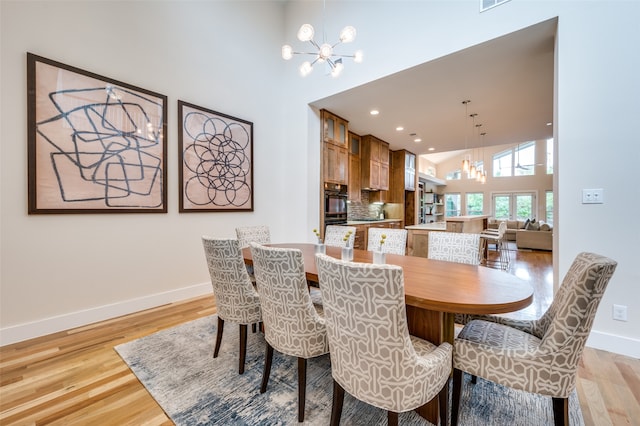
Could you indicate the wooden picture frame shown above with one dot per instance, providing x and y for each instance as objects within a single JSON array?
[
  {"x": 95, "y": 144},
  {"x": 215, "y": 161}
]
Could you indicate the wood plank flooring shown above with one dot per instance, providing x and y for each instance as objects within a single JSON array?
[{"x": 76, "y": 378}]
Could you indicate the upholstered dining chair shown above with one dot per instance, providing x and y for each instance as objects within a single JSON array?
[
  {"x": 236, "y": 298},
  {"x": 334, "y": 235},
  {"x": 373, "y": 357},
  {"x": 454, "y": 247},
  {"x": 249, "y": 234},
  {"x": 292, "y": 323},
  {"x": 395, "y": 240},
  {"x": 539, "y": 356}
]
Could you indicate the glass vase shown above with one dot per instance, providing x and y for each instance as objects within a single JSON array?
[
  {"x": 320, "y": 247},
  {"x": 347, "y": 253},
  {"x": 379, "y": 257}
]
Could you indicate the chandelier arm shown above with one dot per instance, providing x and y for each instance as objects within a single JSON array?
[{"x": 312, "y": 41}]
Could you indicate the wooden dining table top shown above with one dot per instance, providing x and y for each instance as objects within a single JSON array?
[{"x": 437, "y": 285}]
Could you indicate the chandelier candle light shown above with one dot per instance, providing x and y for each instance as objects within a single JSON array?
[{"x": 323, "y": 53}]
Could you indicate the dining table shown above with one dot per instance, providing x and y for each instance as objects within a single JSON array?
[{"x": 435, "y": 291}]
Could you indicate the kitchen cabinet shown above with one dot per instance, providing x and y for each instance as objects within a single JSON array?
[
  {"x": 403, "y": 175},
  {"x": 335, "y": 129},
  {"x": 354, "y": 184},
  {"x": 362, "y": 231},
  {"x": 335, "y": 164},
  {"x": 374, "y": 156},
  {"x": 335, "y": 155}
]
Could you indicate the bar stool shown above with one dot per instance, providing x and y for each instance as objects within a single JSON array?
[{"x": 491, "y": 236}]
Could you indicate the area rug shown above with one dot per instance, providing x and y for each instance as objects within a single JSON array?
[{"x": 178, "y": 369}]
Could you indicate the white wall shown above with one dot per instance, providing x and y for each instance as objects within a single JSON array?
[
  {"x": 55, "y": 265},
  {"x": 61, "y": 270}
]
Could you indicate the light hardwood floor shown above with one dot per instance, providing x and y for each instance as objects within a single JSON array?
[{"x": 76, "y": 378}]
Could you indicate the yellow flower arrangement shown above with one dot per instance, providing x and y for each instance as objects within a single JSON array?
[
  {"x": 382, "y": 238},
  {"x": 315, "y": 231},
  {"x": 346, "y": 238}
]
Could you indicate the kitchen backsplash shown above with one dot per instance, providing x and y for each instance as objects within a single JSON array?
[{"x": 363, "y": 209}]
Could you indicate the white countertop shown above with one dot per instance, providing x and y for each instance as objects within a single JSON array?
[
  {"x": 365, "y": 222},
  {"x": 433, "y": 226},
  {"x": 465, "y": 218}
]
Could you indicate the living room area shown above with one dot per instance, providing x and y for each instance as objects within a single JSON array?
[{"x": 517, "y": 189}]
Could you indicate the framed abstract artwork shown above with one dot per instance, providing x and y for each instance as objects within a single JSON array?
[
  {"x": 95, "y": 145},
  {"x": 215, "y": 161}
]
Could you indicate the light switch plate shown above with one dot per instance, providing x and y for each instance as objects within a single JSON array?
[{"x": 593, "y": 196}]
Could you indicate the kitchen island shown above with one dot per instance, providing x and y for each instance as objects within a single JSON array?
[{"x": 418, "y": 235}]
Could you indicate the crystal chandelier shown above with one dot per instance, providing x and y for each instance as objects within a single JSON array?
[{"x": 323, "y": 53}]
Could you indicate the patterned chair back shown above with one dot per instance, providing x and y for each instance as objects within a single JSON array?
[
  {"x": 565, "y": 326},
  {"x": 454, "y": 247},
  {"x": 291, "y": 323},
  {"x": 248, "y": 234},
  {"x": 372, "y": 354},
  {"x": 394, "y": 243},
  {"x": 236, "y": 299},
  {"x": 334, "y": 235}
]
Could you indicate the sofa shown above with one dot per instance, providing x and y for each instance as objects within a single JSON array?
[{"x": 537, "y": 236}]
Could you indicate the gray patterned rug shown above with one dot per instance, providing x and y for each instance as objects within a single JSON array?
[{"x": 177, "y": 368}]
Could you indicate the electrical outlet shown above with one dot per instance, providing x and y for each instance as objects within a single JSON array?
[
  {"x": 620, "y": 312},
  {"x": 593, "y": 196}
]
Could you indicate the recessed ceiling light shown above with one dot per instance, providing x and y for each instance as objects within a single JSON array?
[
  {"x": 417, "y": 140},
  {"x": 374, "y": 112},
  {"x": 432, "y": 149},
  {"x": 399, "y": 128}
]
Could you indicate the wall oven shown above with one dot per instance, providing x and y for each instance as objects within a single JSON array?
[{"x": 335, "y": 204}]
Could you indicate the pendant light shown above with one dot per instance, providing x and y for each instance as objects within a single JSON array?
[
  {"x": 483, "y": 175},
  {"x": 465, "y": 161}
]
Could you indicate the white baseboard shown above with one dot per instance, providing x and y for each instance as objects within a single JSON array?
[
  {"x": 21, "y": 332},
  {"x": 612, "y": 343}
]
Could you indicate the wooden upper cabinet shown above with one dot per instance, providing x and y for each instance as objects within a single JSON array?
[
  {"x": 354, "y": 185},
  {"x": 335, "y": 156},
  {"x": 336, "y": 164},
  {"x": 374, "y": 156},
  {"x": 403, "y": 175},
  {"x": 335, "y": 129}
]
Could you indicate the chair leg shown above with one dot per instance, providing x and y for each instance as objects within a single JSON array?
[
  {"x": 336, "y": 408},
  {"x": 443, "y": 402},
  {"x": 218, "y": 337},
  {"x": 268, "y": 357},
  {"x": 392, "y": 418},
  {"x": 474, "y": 379},
  {"x": 302, "y": 387},
  {"x": 455, "y": 398},
  {"x": 243, "y": 348},
  {"x": 561, "y": 411},
  {"x": 253, "y": 327}
]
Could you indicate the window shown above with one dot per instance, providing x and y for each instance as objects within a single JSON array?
[
  {"x": 525, "y": 159},
  {"x": 475, "y": 203},
  {"x": 455, "y": 175},
  {"x": 549, "y": 208},
  {"x": 452, "y": 205},
  {"x": 502, "y": 163},
  {"x": 514, "y": 206},
  {"x": 549, "y": 156},
  {"x": 518, "y": 161}
]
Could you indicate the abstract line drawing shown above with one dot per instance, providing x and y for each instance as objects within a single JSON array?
[
  {"x": 215, "y": 160},
  {"x": 96, "y": 145}
]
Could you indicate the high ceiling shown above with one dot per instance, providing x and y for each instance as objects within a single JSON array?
[{"x": 509, "y": 81}]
